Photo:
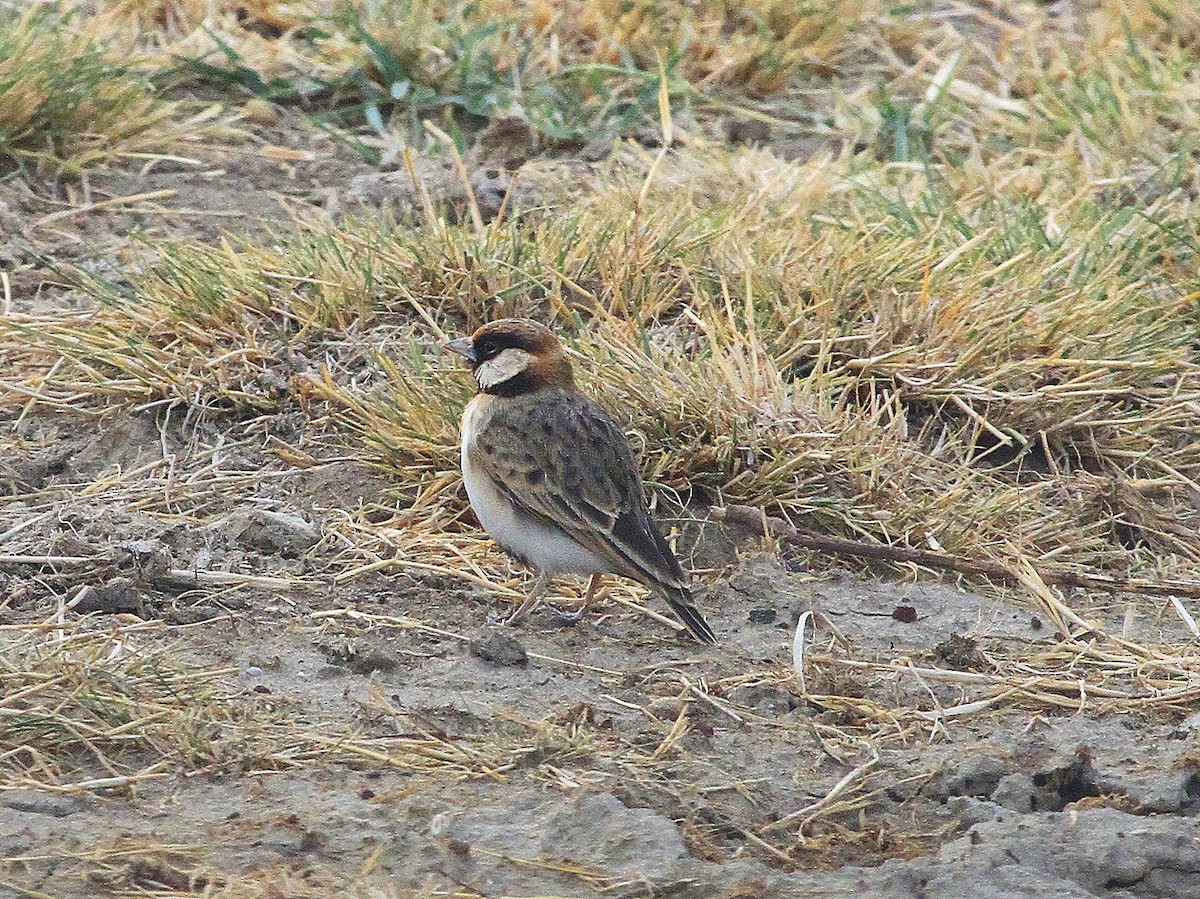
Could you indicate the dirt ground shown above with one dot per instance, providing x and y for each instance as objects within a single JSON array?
[
  {"x": 610, "y": 758},
  {"x": 633, "y": 763}
]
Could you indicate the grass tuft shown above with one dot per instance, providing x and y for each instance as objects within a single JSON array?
[
  {"x": 895, "y": 361},
  {"x": 67, "y": 99}
]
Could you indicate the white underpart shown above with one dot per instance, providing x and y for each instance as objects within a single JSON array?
[
  {"x": 548, "y": 549},
  {"x": 508, "y": 364}
]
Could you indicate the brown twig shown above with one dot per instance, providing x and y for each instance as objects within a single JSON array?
[{"x": 757, "y": 522}]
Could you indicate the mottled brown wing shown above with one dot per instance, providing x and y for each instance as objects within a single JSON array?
[{"x": 562, "y": 459}]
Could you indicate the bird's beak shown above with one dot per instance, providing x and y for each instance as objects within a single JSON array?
[{"x": 463, "y": 347}]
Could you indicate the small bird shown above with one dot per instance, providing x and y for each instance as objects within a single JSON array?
[{"x": 552, "y": 478}]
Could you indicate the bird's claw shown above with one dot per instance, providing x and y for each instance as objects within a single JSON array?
[{"x": 570, "y": 617}]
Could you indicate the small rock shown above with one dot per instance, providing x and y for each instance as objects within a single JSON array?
[
  {"x": 150, "y": 559},
  {"x": 254, "y": 671},
  {"x": 499, "y": 649},
  {"x": 258, "y": 111},
  {"x": 273, "y": 532},
  {"x": 905, "y": 614},
  {"x": 975, "y": 775},
  {"x": 113, "y": 598},
  {"x": 598, "y": 148},
  {"x": 666, "y": 708},
  {"x": 763, "y": 616},
  {"x": 373, "y": 660},
  {"x": 767, "y": 700}
]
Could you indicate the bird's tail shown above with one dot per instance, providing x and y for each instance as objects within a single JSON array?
[{"x": 680, "y": 601}]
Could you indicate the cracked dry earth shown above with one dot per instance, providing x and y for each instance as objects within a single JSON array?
[{"x": 615, "y": 758}]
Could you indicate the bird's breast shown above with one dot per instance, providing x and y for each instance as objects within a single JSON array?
[{"x": 519, "y": 533}]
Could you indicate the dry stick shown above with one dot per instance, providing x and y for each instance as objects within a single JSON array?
[
  {"x": 21, "y": 525},
  {"x": 809, "y": 812},
  {"x": 103, "y": 204},
  {"x": 756, "y": 521},
  {"x": 174, "y": 575},
  {"x": 106, "y": 783},
  {"x": 50, "y": 560}
]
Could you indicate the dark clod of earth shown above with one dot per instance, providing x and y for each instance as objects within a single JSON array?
[{"x": 499, "y": 648}]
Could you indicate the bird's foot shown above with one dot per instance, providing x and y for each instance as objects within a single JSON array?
[
  {"x": 514, "y": 618},
  {"x": 567, "y": 615},
  {"x": 534, "y": 597}
]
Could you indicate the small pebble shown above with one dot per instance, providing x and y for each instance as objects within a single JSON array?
[
  {"x": 119, "y": 595},
  {"x": 259, "y": 112},
  {"x": 254, "y": 671},
  {"x": 373, "y": 660},
  {"x": 499, "y": 649},
  {"x": 762, "y": 616}
]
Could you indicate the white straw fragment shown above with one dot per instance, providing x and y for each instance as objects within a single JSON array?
[
  {"x": 1188, "y": 621},
  {"x": 798, "y": 650}
]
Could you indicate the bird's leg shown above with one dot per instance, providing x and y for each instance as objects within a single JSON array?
[
  {"x": 583, "y": 607},
  {"x": 538, "y": 591}
]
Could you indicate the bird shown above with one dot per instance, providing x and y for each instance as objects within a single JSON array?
[{"x": 551, "y": 476}]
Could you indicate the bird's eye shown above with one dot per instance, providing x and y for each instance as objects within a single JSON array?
[{"x": 486, "y": 349}]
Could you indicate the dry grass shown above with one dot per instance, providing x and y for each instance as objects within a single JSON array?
[
  {"x": 71, "y": 97},
  {"x": 135, "y": 869},
  {"x": 897, "y": 362},
  {"x": 585, "y": 70},
  {"x": 89, "y": 708}
]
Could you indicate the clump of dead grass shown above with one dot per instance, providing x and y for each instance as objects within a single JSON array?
[
  {"x": 68, "y": 101},
  {"x": 570, "y": 72},
  {"x": 142, "y": 867},
  {"x": 98, "y": 708},
  {"x": 898, "y": 361},
  {"x": 103, "y": 708}
]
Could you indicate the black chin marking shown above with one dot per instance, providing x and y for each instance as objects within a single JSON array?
[{"x": 515, "y": 386}]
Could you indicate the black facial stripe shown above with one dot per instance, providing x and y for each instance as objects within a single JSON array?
[
  {"x": 489, "y": 346},
  {"x": 486, "y": 348},
  {"x": 514, "y": 386}
]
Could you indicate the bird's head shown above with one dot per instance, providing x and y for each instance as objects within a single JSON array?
[{"x": 514, "y": 356}]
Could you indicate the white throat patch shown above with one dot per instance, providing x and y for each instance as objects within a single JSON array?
[{"x": 508, "y": 364}]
